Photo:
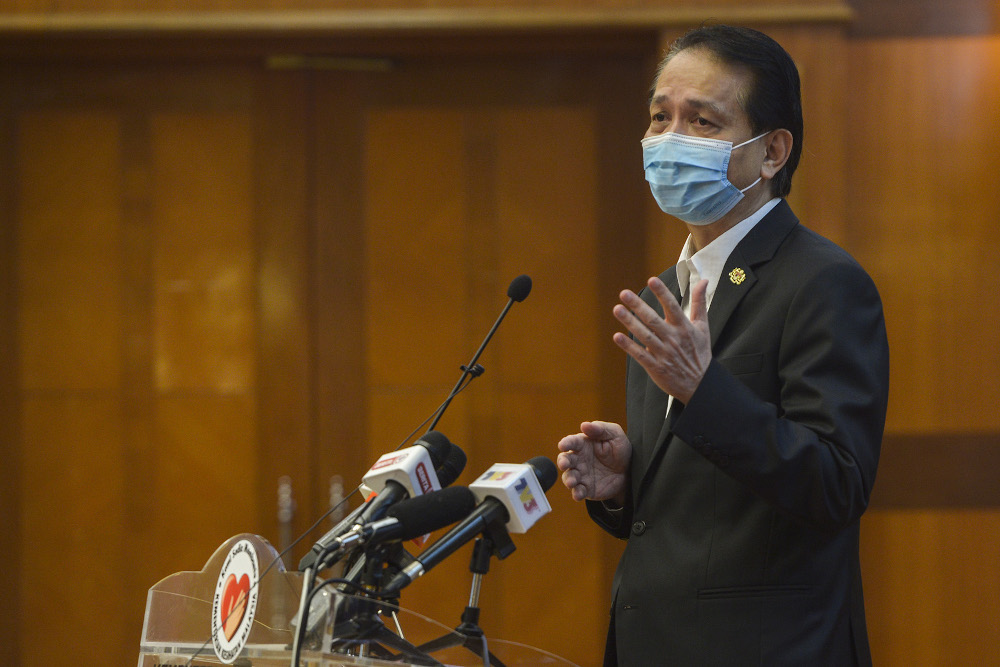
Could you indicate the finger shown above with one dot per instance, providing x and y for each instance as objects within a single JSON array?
[
  {"x": 699, "y": 309},
  {"x": 598, "y": 430},
  {"x": 571, "y": 443},
  {"x": 565, "y": 461},
  {"x": 642, "y": 331},
  {"x": 634, "y": 350},
  {"x": 672, "y": 311}
]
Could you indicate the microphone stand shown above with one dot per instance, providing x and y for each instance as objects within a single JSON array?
[
  {"x": 472, "y": 368},
  {"x": 494, "y": 540},
  {"x": 364, "y": 627}
]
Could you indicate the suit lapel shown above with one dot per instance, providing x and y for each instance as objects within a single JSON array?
[{"x": 736, "y": 280}]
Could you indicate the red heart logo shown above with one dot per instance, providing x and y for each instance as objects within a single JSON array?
[{"x": 234, "y": 604}]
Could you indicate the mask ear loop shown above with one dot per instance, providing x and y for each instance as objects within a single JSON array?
[{"x": 750, "y": 141}]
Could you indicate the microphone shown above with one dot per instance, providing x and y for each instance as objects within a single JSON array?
[
  {"x": 396, "y": 476},
  {"x": 517, "y": 291},
  {"x": 519, "y": 288},
  {"x": 509, "y": 494},
  {"x": 404, "y": 473},
  {"x": 410, "y": 518}
]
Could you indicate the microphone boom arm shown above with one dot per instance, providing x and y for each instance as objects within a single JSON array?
[{"x": 471, "y": 370}]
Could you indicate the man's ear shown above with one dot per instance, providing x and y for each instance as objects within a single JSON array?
[{"x": 778, "y": 147}]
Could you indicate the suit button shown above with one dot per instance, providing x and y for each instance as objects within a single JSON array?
[
  {"x": 698, "y": 440},
  {"x": 639, "y": 527}
]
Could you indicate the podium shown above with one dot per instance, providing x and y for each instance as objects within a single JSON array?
[{"x": 242, "y": 609}]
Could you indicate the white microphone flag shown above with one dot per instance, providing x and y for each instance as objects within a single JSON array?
[{"x": 517, "y": 487}]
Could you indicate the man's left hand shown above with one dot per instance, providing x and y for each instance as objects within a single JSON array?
[{"x": 673, "y": 349}]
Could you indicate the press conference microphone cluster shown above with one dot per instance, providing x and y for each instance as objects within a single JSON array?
[
  {"x": 430, "y": 464},
  {"x": 511, "y": 496}
]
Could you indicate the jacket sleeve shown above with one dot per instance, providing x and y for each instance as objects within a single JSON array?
[
  {"x": 618, "y": 522},
  {"x": 814, "y": 453}
]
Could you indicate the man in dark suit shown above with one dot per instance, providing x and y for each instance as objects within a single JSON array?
[{"x": 757, "y": 385}]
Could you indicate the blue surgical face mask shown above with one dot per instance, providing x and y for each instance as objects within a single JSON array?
[{"x": 688, "y": 176}]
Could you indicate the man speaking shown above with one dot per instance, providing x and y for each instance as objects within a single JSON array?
[{"x": 757, "y": 384}]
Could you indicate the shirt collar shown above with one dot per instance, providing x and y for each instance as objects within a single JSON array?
[{"x": 710, "y": 260}]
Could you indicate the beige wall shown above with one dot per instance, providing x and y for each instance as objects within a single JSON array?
[{"x": 217, "y": 271}]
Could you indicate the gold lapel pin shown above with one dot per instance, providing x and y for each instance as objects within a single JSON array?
[{"x": 737, "y": 276}]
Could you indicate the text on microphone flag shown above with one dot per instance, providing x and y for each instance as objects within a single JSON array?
[{"x": 527, "y": 498}]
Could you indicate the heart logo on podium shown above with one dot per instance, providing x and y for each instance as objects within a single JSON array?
[{"x": 234, "y": 604}]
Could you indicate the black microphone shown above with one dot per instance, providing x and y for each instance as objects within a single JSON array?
[
  {"x": 410, "y": 519},
  {"x": 510, "y": 494},
  {"x": 519, "y": 288},
  {"x": 447, "y": 458},
  {"x": 518, "y": 291}
]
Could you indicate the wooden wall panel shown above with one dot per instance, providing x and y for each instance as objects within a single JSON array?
[
  {"x": 547, "y": 227},
  {"x": 415, "y": 248},
  {"x": 932, "y": 586},
  {"x": 204, "y": 256},
  {"x": 286, "y": 325},
  {"x": 69, "y": 202},
  {"x": 457, "y": 205},
  {"x": 69, "y": 338},
  {"x": 72, "y": 554},
  {"x": 925, "y": 211},
  {"x": 921, "y": 220},
  {"x": 108, "y": 465},
  {"x": 215, "y": 217}
]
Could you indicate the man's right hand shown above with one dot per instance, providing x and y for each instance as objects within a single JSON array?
[{"x": 595, "y": 463}]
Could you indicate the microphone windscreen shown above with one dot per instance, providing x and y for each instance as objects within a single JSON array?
[
  {"x": 545, "y": 471},
  {"x": 431, "y": 511},
  {"x": 519, "y": 288},
  {"x": 437, "y": 444},
  {"x": 451, "y": 467}
]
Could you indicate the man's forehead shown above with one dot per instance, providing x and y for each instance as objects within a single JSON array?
[{"x": 696, "y": 77}]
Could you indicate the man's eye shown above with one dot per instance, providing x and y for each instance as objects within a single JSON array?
[{"x": 659, "y": 117}]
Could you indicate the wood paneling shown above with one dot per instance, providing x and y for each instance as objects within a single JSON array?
[
  {"x": 131, "y": 16},
  {"x": 465, "y": 191},
  {"x": 69, "y": 204},
  {"x": 204, "y": 254},
  {"x": 72, "y": 554},
  {"x": 938, "y": 470},
  {"x": 887, "y": 18},
  {"x": 924, "y": 211},
  {"x": 921, "y": 214},
  {"x": 932, "y": 586},
  {"x": 221, "y": 273},
  {"x": 286, "y": 323},
  {"x": 10, "y": 398}
]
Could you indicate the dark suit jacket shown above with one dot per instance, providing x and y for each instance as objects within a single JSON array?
[{"x": 742, "y": 517}]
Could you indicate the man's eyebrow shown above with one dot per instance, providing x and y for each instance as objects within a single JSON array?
[{"x": 695, "y": 103}]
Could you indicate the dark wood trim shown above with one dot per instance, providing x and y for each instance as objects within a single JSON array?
[
  {"x": 337, "y": 270},
  {"x": 936, "y": 471},
  {"x": 425, "y": 19},
  {"x": 10, "y": 398},
  {"x": 924, "y": 18},
  {"x": 285, "y": 388}
]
